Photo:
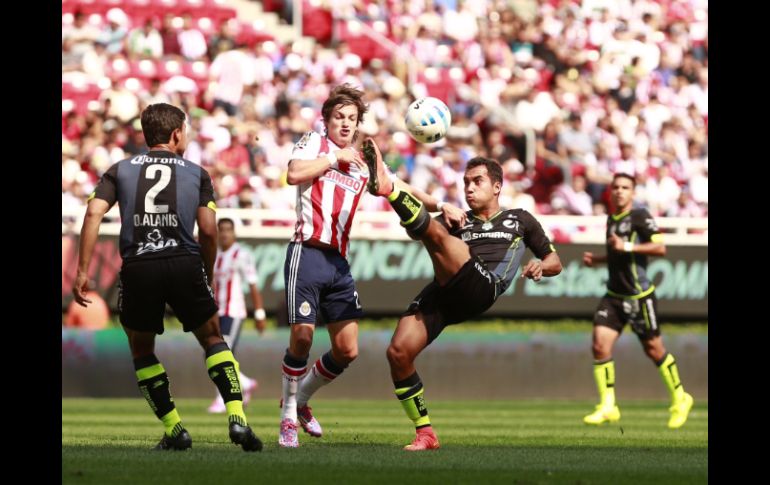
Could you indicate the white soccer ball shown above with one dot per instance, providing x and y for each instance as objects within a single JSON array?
[{"x": 428, "y": 119}]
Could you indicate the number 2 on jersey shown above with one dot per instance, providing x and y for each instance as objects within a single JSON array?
[{"x": 150, "y": 207}]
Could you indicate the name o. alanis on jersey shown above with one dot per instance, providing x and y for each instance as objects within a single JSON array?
[
  {"x": 155, "y": 220},
  {"x": 142, "y": 159}
]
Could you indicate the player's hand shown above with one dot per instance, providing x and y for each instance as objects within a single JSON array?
[
  {"x": 533, "y": 270},
  {"x": 588, "y": 259},
  {"x": 615, "y": 243},
  {"x": 350, "y": 155},
  {"x": 80, "y": 288},
  {"x": 453, "y": 215},
  {"x": 260, "y": 324}
]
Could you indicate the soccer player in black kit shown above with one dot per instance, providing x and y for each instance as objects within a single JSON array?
[
  {"x": 475, "y": 260},
  {"x": 632, "y": 236},
  {"x": 161, "y": 196}
]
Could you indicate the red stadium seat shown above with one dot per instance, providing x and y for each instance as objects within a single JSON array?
[
  {"x": 169, "y": 68},
  {"x": 118, "y": 67},
  {"x": 143, "y": 69}
]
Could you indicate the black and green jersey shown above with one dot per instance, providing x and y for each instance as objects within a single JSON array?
[
  {"x": 500, "y": 241},
  {"x": 628, "y": 271},
  {"x": 158, "y": 194}
]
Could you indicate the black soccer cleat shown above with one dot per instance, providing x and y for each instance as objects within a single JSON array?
[
  {"x": 182, "y": 441},
  {"x": 370, "y": 156},
  {"x": 244, "y": 436}
]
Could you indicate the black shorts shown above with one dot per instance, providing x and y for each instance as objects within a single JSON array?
[
  {"x": 468, "y": 294},
  {"x": 180, "y": 281},
  {"x": 616, "y": 312}
]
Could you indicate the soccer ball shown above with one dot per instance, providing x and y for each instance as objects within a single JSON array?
[{"x": 427, "y": 119}]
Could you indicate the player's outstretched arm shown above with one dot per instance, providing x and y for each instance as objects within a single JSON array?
[
  {"x": 548, "y": 266},
  {"x": 89, "y": 233}
]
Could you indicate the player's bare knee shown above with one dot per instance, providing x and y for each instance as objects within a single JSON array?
[
  {"x": 600, "y": 351},
  {"x": 655, "y": 354},
  {"x": 346, "y": 355},
  {"x": 397, "y": 356}
]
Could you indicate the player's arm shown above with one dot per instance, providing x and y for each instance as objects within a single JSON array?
[
  {"x": 453, "y": 215},
  {"x": 550, "y": 265},
  {"x": 99, "y": 202},
  {"x": 207, "y": 225},
  {"x": 248, "y": 271},
  {"x": 207, "y": 237},
  {"x": 536, "y": 240},
  {"x": 650, "y": 238},
  {"x": 590, "y": 259},
  {"x": 304, "y": 166},
  {"x": 654, "y": 247},
  {"x": 89, "y": 233},
  {"x": 259, "y": 308}
]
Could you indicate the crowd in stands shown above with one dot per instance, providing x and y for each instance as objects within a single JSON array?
[{"x": 563, "y": 93}]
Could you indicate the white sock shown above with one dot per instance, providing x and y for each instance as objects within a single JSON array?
[
  {"x": 317, "y": 377},
  {"x": 290, "y": 380}
]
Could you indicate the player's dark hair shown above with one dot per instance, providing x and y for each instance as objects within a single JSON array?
[
  {"x": 494, "y": 170},
  {"x": 159, "y": 121},
  {"x": 225, "y": 220},
  {"x": 344, "y": 94},
  {"x": 625, "y": 176}
]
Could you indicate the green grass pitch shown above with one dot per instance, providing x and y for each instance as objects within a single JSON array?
[{"x": 107, "y": 441}]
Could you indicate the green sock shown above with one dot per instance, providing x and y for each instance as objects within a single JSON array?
[
  {"x": 223, "y": 370},
  {"x": 604, "y": 374},
  {"x": 670, "y": 375},
  {"x": 155, "y": 387},
  {"x": 410, "y": 393}
]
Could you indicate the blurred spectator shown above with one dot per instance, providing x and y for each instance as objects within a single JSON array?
[
  {"x": 170, "y": 36},
  {"x": 145, "y": 42},
  {"x": 591, "y": 88},
  {"x": 191, "y": 41},
  {"x": 113, "y": 35}
]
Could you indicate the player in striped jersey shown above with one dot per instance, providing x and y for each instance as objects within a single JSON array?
[
  {"x": 233, "y": 265},
  {"x": 331, "y": 177}
]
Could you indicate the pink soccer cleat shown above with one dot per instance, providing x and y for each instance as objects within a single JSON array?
[
  {"x": 287, "y": 437},
  {"x": 425, "y": 440},
  {"x": 309, "y": 423}
]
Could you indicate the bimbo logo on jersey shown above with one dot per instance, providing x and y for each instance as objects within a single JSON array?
[{"x": 345, "y": 181}]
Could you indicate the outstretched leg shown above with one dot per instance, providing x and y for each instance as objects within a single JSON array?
[
  {"x": 409, "y": 339},
  {"x": 447, "y": 253}
]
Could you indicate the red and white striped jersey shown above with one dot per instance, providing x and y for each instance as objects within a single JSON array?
[
  {"x": 231, "y": 268},
  {"x": 326, "y": 205}
]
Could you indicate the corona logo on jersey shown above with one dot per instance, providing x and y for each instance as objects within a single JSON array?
[{"x": 342, "y": 180}]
